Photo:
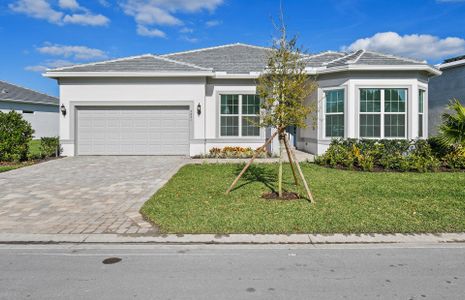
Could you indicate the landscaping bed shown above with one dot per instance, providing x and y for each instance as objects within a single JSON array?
[{"x": 194, "y": 201}]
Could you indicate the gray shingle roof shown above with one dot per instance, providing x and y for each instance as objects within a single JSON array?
[
  {"x": 375, "y": 58},
  {"x": 143, "y": 63},
  {"x": 11, "y": 92},
  {"x": 234, "y": 58},
  {"x": 317, "y": 60}
]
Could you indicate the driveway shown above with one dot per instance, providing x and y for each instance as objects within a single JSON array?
[{"x": 85, "y": 194}]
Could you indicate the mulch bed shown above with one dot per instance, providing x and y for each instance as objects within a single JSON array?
[{"x": 287, "y": 196}]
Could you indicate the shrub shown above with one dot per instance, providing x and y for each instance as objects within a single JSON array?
[
  {"x": 232, "y": 152},
  {"x": 368, "y": 155},
  {"x": 50, "y": 147},
  {"x": 455, "y": 159},
  {"x": 15, "y": 135}
]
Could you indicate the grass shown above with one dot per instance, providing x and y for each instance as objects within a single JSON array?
[
  {"x": 193, "y": 201},
  {"x": 34, "y": 151}
]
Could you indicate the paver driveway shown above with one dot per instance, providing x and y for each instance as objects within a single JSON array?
[{"x": 82, "y": 194}]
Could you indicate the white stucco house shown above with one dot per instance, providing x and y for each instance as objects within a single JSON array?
[
  {"x": 40, "y": 110},
  {"x": 188, "y": 102}
]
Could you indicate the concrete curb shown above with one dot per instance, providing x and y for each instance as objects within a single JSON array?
[{"x": 12, "y": 238}]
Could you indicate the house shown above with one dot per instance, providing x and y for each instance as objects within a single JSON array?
[
  {"x": 188, "y": 102},
  {"x": 40, "y": 110},
  {"x": 450, "y": 85}
]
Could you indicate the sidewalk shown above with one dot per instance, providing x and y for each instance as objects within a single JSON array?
[{"x": 8, "y": 238}]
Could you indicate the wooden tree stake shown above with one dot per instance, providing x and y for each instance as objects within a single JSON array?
[
  {"x": 307, "y": 189},
  {"x": 291, "y": 161},
  {"x": 257, "y": 151}
]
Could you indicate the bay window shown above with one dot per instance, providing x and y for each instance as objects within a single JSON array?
[
  {"x": 334, "y": 113},
  {"x": 240, "y": 115},
  {"x": 383, "y": 113}
]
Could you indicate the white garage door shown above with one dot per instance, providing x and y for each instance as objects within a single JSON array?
[{"x": 133, "y": 131}]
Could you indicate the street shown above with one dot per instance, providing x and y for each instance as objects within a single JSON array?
[{"x": 78, "y": 271}]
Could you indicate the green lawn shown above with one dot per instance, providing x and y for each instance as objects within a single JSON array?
[
  {"x": 193, "y": 201},
  {"x": 34, "y": 149}
]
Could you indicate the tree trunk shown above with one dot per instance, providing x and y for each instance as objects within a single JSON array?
[
  {"x": 307, "y": 189},
  {"x": 291, "y": 161},
  {"x": 280, "y": 173}
]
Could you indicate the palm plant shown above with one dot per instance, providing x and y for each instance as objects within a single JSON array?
[{"x": 452, "y": 129}]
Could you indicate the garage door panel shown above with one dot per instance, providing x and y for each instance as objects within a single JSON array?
[{"x": 133, "y": 131}]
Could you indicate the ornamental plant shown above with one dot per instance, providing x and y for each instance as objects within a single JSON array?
[{"x": 15, "y": 135}]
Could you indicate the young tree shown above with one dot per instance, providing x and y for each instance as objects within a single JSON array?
[{"x": 283, "y": 88}]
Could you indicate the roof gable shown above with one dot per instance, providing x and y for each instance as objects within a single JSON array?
[
  {"x": 14, "y": 93},
  {"x": 233, "y": 58}
]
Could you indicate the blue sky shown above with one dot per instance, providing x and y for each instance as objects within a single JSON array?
[{"x": 39, "y": 34}]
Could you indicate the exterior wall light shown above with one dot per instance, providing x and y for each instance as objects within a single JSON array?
[
  {"x": 199, "y": 109},
  {"x": 63, "y": 110}
]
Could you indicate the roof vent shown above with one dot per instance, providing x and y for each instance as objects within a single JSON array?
[{"x": 4, "y": 91}]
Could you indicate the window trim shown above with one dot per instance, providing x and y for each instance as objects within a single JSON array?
[
  {"x": 382, "y": 88},
  {"x": 240, "y": 115},
  {"x": 324, "y": 90},
  {"x": 422, "y": 113}
]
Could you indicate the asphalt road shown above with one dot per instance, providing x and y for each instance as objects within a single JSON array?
[{"x": 232, "y": 272}]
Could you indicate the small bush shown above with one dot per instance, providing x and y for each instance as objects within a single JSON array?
[
  {"x": 233, "y": 152},
  {"x": 368, "y": 155},
  {"x": 50, "y": 147},
  {"x": 455, "y": 159},
  {"x": 15, "y": 135}
]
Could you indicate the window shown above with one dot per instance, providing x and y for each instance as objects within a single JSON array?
[
  {"x": 421, "y": 104},
  {"x": 334, "y": 119},
  {"x": 394, "y": 109},
  {"x": 28, "y": 112},
  {"x": 370, "y": 113},
  {"x": 383, "y": 113},
  {"x": 239, "y": 115}
]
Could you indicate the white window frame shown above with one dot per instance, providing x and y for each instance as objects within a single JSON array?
[
  {"x": 382, "y": 111},
  {"x": 422, "y": 113},
  {"x": 240, "y": 115},
  {"x": 340, "y": 88}
]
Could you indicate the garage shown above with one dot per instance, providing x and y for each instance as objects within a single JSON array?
[{"x": 133, "y": 130}]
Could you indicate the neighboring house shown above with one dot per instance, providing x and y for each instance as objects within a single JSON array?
[
  {"x": 38, "y": 109},
  {"x": 450, "y": 85},
  {"x": 188, "y": 102}
]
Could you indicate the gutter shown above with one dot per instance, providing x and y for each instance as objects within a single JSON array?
[{"x": 127, "y": 74}]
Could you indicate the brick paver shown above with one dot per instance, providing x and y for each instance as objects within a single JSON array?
[{"x": 82, "y": 194}]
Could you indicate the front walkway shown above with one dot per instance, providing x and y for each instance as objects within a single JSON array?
[{"x": 83, "y": 194}]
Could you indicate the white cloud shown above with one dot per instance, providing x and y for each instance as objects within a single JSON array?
[
  {"x": 419, "y": 46},
  {"x": 39, "y": 9},
  {"x": 144, "y": 31},
  {"x": 42, "y": 9},
  {"x": 213, "y": 23},
  {"x": 68, "y": 4},
  {"x": 74, "y": 52},
  {"x": 186, "y": 30},
  {"x": 162, "y": 12},
  {"x": 104, "y": 3},
  {"x": 189, "y": 39},
  {"x": 86, "y": 19},
  {"x": 49, "y": 64}
]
